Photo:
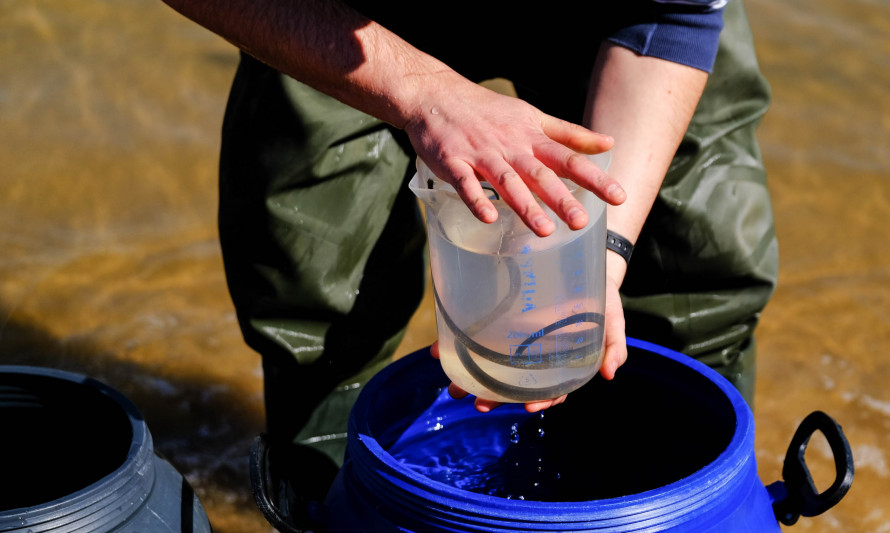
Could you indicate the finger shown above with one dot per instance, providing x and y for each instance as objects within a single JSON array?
[
  {"x": 534, "y": 407},
  {"x": 615, "y": 345},
  {"x": 434, "y": 349},
  {"x": 456, "y": 392},
  {"x": 547, "y": 185},
  {"x": 575, "y": 136},
  {"x": 465, "y": 181},
  {"x": 513, "y": 190},
  {"x": 578, "y": 168},
  {"x": 484, "y": 406}
]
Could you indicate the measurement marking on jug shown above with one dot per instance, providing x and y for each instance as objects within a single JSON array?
[
  {"x": 528, "y": 381},
  {"x": 531, "y": 354},
  {"x": 528, "y": 280},
  {"x": 524, "y": 334}
]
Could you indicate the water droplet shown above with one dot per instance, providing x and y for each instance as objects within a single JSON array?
[
  {"x": 540, "y": 432},
  {"x": 521, "y": 497},
  {"x": 514, "y": 433},
  {"x": 558, "y": 475},
  {"x": 536, "y": 484},
  {"x": 434, "y": 110},
  {"x": 540, "y": 469}
]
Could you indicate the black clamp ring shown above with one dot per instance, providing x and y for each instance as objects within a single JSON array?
[{"x": 619, "y": 245}]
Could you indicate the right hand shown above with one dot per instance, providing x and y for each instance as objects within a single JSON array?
[{"x": 466, "y": 133}]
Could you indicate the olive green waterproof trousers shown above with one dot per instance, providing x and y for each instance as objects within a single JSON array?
[{"x": 323, "y": 243}]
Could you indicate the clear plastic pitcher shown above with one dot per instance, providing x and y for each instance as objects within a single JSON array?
[{"x": 519, "y": 317}]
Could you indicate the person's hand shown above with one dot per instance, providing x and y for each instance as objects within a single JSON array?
[
  {"x": 614, "y": 342},
  {"x": 484, "y": 406},
  {"x": 466, "y": 133}
]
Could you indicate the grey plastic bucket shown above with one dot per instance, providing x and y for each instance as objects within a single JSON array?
[{"x": 76, "y": 455}]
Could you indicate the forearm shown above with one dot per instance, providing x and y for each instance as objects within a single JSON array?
[
  {"x": 645, "y": 104},
  {"x": 329, "y": 46}
]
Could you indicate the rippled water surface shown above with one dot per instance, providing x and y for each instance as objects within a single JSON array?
[{"x": 110, "y": 113}]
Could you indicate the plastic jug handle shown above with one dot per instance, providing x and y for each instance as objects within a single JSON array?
[{"x": 797, "y": 496}]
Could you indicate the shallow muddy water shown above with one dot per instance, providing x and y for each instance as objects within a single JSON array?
[{"x": 109, "y": 121}]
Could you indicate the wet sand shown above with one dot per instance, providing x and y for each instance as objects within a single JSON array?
[{"x": 109, "y": 122}]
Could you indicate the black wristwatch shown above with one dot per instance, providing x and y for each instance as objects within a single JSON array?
[{"x": 619, "y": 245}]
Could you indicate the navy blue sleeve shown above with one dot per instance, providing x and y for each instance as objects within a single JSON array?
[{"x": 682, "y": 32}]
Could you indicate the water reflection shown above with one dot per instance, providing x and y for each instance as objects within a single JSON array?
[
  {"x": 824, "y": 337},
  {"x": 110, "y": 266}
]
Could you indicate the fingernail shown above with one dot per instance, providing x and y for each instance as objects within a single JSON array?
[
  {"x": 615, "y": 192},
  {"x": 486, "y": 213},
  {"x": 577, "y": 217},
  {"x": 541, "y": 222}
]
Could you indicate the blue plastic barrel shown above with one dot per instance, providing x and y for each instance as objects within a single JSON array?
[
  {"x": 668, "y": 445},
  {"x": 76, "y": 455}
]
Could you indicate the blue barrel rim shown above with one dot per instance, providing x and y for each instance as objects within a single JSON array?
[
  {"x": 667, "y": 504},
  {"x": 115, "y": 496}
]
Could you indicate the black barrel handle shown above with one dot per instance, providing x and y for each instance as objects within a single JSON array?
[
  {"x": 798, "y": 495},
  {"x": 259, "y": 482}
]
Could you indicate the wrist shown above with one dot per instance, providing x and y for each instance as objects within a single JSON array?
[
  {"x": 393, "y": 80},
  {"x": 616, "y": 268},
  {"x": 430, "y": 92},
  {"x": 617, "y": 243}
]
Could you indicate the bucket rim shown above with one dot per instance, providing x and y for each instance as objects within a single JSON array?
[
  {"x": 667, "y": 504},
  {"x": 131, "y": 481}
]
